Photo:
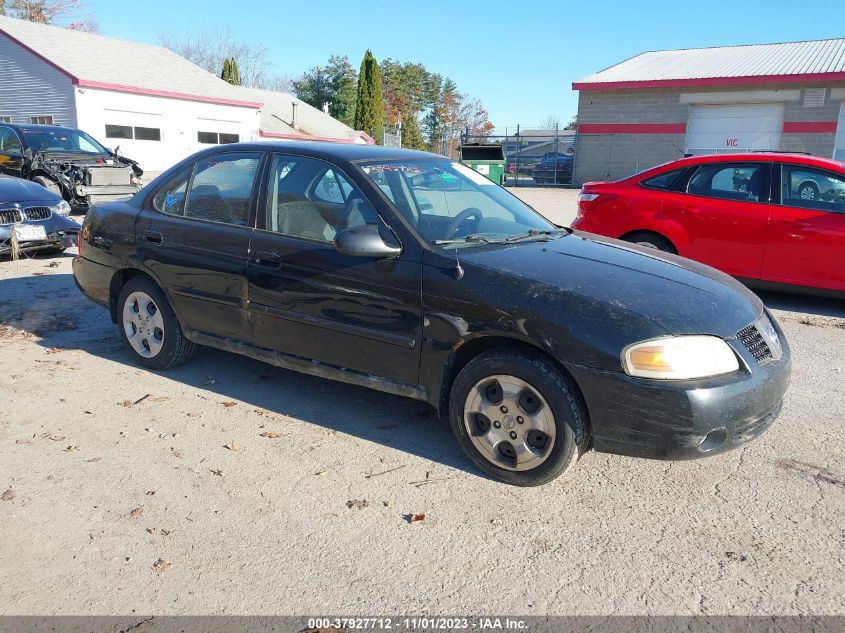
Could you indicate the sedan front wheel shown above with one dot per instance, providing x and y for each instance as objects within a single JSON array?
[{"x": 518, "y": 417}]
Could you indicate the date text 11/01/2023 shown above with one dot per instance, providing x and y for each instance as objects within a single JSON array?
[{"x": 418, "y": 623}]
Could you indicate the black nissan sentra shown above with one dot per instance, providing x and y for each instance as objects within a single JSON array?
[{"x": 412, "y": 274}]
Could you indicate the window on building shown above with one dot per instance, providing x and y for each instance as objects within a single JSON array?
[
  {"x": 138, "y": 133},
  {"x": 118, "y": 131},
  {"x": 215, "y": 138},
  {"x": 147, "y": 134},
  {"x": 746, "y": 182},
  {"x": 5, "y": 119},
  {"x": 809, "y": 188},
  {"x": 44, "y": 119}
]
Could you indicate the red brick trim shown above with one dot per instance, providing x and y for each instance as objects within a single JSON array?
[
  {"x": 632, "y": 128},
  {"x": 809, "y": 127}
]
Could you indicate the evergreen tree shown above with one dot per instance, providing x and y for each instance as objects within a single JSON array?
[
  {"x": 369, "y": 105},
  {"x": 230, "y": 73},
  {"x": 235, "y": 77},
  {"x": 412, "y": 137}
]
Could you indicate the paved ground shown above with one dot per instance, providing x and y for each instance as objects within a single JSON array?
[{"x": 222, "y": 487}]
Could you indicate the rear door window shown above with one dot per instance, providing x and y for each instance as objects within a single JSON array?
[
  {"x": 742, "y": 182},
  {"x": 810, "y": 188},
  {"x": 221, "y": 188}
]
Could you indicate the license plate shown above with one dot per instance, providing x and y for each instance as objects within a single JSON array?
[{"x": 30, "y": 233}]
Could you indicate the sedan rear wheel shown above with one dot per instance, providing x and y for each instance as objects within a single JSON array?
[
  {"x": 651, "y": 240},
  {"x": 149, "y": 326},
  {"x": 518, "y": 417}
]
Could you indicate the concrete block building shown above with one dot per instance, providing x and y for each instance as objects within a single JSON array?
[{"x": 659, "y": 106}]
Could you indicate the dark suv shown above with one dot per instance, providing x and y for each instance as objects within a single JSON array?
[
  {"x": 68, "y": 162},
  {"x": 538, "y": 342}
]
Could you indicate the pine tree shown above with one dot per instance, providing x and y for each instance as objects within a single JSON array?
[
  {"x": 235, "y": 77},
  {"x": 369, "y": 105},
  {"x": 412, "y": 137},
  {"x": 230, "y": 73}
]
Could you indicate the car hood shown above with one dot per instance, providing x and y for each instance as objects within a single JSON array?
[
  {"x": 17, "y": 190},
  {"x": 682, "y": 296}
]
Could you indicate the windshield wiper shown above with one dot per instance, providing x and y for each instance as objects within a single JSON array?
[
  {"x": 469, "y": 239},
  {"x": 533, "y": 233}
]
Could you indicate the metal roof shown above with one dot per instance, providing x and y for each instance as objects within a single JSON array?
[{"x": 753, "y": 63}]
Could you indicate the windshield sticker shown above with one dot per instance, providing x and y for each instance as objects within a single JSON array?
[
  {"x": 471, "y": 174},
  {"x": 408, "y": 169},
  {"x": 448, "y": 178},
  {"x": 169, "y": 201}
]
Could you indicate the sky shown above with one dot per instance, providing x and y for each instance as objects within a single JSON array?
[{"x": 518, "y": 57}]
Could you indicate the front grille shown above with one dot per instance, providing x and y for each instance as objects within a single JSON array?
[
  {"x": 752, "y": 340},
  {"x": 108, "y": 176},
  {"x": 10, "y": 216},
  {"x": 38, "y": 213}
]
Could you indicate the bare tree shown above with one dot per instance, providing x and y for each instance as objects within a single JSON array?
[
  {"x": 49, "y": 12},
  {"x": 550, "y": 122},
  {"x": 208, "y": 50}
]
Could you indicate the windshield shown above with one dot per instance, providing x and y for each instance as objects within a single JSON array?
[
  {"x": 450, "y": 205},
  {"x": 62, "y": 140}
]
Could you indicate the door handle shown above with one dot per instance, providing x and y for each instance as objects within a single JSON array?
[
  {"x": 153, "y": 237},
  {"x": 690, "y": 210},
  {"x": 267, "y": 260}
]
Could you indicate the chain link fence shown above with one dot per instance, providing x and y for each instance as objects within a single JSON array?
[{"x": 534, "y": 156}]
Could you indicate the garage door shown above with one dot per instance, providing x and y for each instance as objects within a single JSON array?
[{"x": 734, "y": 128}]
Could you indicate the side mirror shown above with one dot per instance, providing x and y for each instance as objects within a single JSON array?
[{"x": 365, "y": 241}]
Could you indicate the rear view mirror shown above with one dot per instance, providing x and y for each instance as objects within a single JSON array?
[{"x": 365, "y": 241}]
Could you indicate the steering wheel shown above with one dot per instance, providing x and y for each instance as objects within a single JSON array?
[{"x": 462, "y": 217}]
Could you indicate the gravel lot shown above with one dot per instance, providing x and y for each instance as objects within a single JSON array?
[{"x": 222, "y": 487}]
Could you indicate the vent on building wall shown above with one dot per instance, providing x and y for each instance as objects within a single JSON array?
[{"x": 814, "y": 97}]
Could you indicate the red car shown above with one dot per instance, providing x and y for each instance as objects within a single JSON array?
[{"x": 762, "y": 217}]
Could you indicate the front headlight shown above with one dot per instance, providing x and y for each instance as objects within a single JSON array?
[
  {"x": 63, "y": 208},
  {"x": 679, "y": 358}
]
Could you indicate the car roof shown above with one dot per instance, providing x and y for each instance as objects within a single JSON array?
[
  {"x": 764, "y": 156},
  {"x": 351, "y": 152}
]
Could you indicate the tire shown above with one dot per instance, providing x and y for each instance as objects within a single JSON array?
[
  {"x": 808, "y": 191},
  {"x": 142, "y": 308},
  {"x": 49, "y": 185},
  {"x": 651, "y": 240},
  {"x": 545, "y": 399}
]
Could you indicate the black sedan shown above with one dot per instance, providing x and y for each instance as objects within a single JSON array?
[
  {"x": 33, "y": 219},
  {"x": 538, "y": 342}
]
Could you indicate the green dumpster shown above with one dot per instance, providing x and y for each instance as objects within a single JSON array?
[{"x": 487, "y": 159}]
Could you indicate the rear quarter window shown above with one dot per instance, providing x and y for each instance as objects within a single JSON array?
[{"x": 664, "y": 181}]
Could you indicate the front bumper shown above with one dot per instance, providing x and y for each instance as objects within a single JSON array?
[
  {"x": 61, "y": 233},
  {"x": 683, "y": 419}
]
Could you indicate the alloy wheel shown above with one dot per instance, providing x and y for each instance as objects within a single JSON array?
[
  {"x": 509, "y": 422},
  {"x": 143, "y": 324}
]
